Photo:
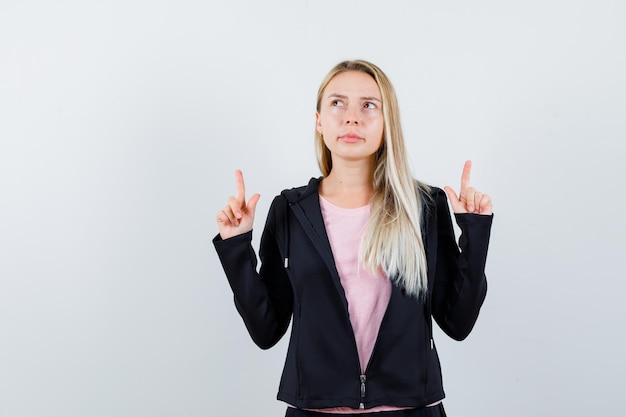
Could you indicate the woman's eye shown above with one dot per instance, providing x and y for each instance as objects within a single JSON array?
[
  {"x": 369, "y": 105},
  {"x": 336, "y": 103}
]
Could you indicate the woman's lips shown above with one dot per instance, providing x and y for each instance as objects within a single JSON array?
[{"x": 350, "y": 138}]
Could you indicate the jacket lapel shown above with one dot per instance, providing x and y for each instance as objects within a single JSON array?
[{"x": 309, "y": 214}]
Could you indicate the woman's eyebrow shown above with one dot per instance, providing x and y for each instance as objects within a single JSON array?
[{"x": 362, "y": 98}]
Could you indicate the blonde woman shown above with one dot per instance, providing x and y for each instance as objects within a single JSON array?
[{"x": 362, "y": 260}]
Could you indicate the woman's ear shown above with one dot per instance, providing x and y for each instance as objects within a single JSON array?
[{"x": 318, "y": 123}]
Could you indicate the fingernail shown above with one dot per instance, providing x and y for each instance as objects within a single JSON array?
[
  {"x": 470, "y": 209},
  {"x": 238, "y": 214}
]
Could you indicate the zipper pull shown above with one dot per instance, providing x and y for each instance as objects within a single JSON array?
[
  {"x": 363, "y": 378},
  {"x": 432, "y": 344},
  {"x": 286, "y": 263}
]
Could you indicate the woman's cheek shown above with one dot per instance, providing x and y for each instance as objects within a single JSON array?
[{"x": 335, "y": 111}]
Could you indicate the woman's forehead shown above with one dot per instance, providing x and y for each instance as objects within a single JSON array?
[{"x": 353, "y": 84}]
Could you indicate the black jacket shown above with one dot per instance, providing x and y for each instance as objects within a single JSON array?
[{"x": 298, "y": 279}]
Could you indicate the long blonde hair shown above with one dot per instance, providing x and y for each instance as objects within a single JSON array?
[{"x": 393, "y": 236}]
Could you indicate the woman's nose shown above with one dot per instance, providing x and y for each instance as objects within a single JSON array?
[{"x": 351, "y": 116}]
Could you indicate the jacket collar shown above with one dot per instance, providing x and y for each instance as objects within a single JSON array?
[
  {"x": 296, "y": 194},
  {"x": 305, "y": 204}
]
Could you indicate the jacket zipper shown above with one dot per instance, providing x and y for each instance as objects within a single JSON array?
[{"x": 363, "y": 379}]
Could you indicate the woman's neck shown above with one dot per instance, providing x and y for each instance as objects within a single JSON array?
[{"x": 348, "y": 187}]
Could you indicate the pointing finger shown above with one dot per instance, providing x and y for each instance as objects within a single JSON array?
[
  {"x": 465, "y": 177},
  {"x": 241, "y": 188}
]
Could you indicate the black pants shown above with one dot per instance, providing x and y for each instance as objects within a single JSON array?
[{"x": 434, "y": 411}]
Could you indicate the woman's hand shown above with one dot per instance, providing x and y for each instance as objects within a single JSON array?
[
  {"x": 469, "y": 200},
  {"x": 237, "y": 217}
]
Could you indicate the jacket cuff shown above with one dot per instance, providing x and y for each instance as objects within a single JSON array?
[
  {"x": 471, "y": 218},
  {"x": 224, "y": 244}
]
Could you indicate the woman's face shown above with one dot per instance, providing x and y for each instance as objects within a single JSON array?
[{"x": 350, "y": 118}]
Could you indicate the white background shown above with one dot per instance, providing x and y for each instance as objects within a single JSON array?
[{"x": 121, "y": 123}]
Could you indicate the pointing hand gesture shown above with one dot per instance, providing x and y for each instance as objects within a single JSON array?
[
  {"x": 237, "y": 217},
  {"x": 469, "y": 200}
]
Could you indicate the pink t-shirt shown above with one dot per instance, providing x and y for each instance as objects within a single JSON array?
[{"x": 367, "y": 293}]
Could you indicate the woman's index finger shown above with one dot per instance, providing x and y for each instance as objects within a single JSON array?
[
  {"x": 465, "y": 177},
  {"x": 241, "y": 188}
]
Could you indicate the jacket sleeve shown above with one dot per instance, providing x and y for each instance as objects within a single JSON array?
[
  {"x": 264, "y": 299},
  {"x": 460, "y": 284}
]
